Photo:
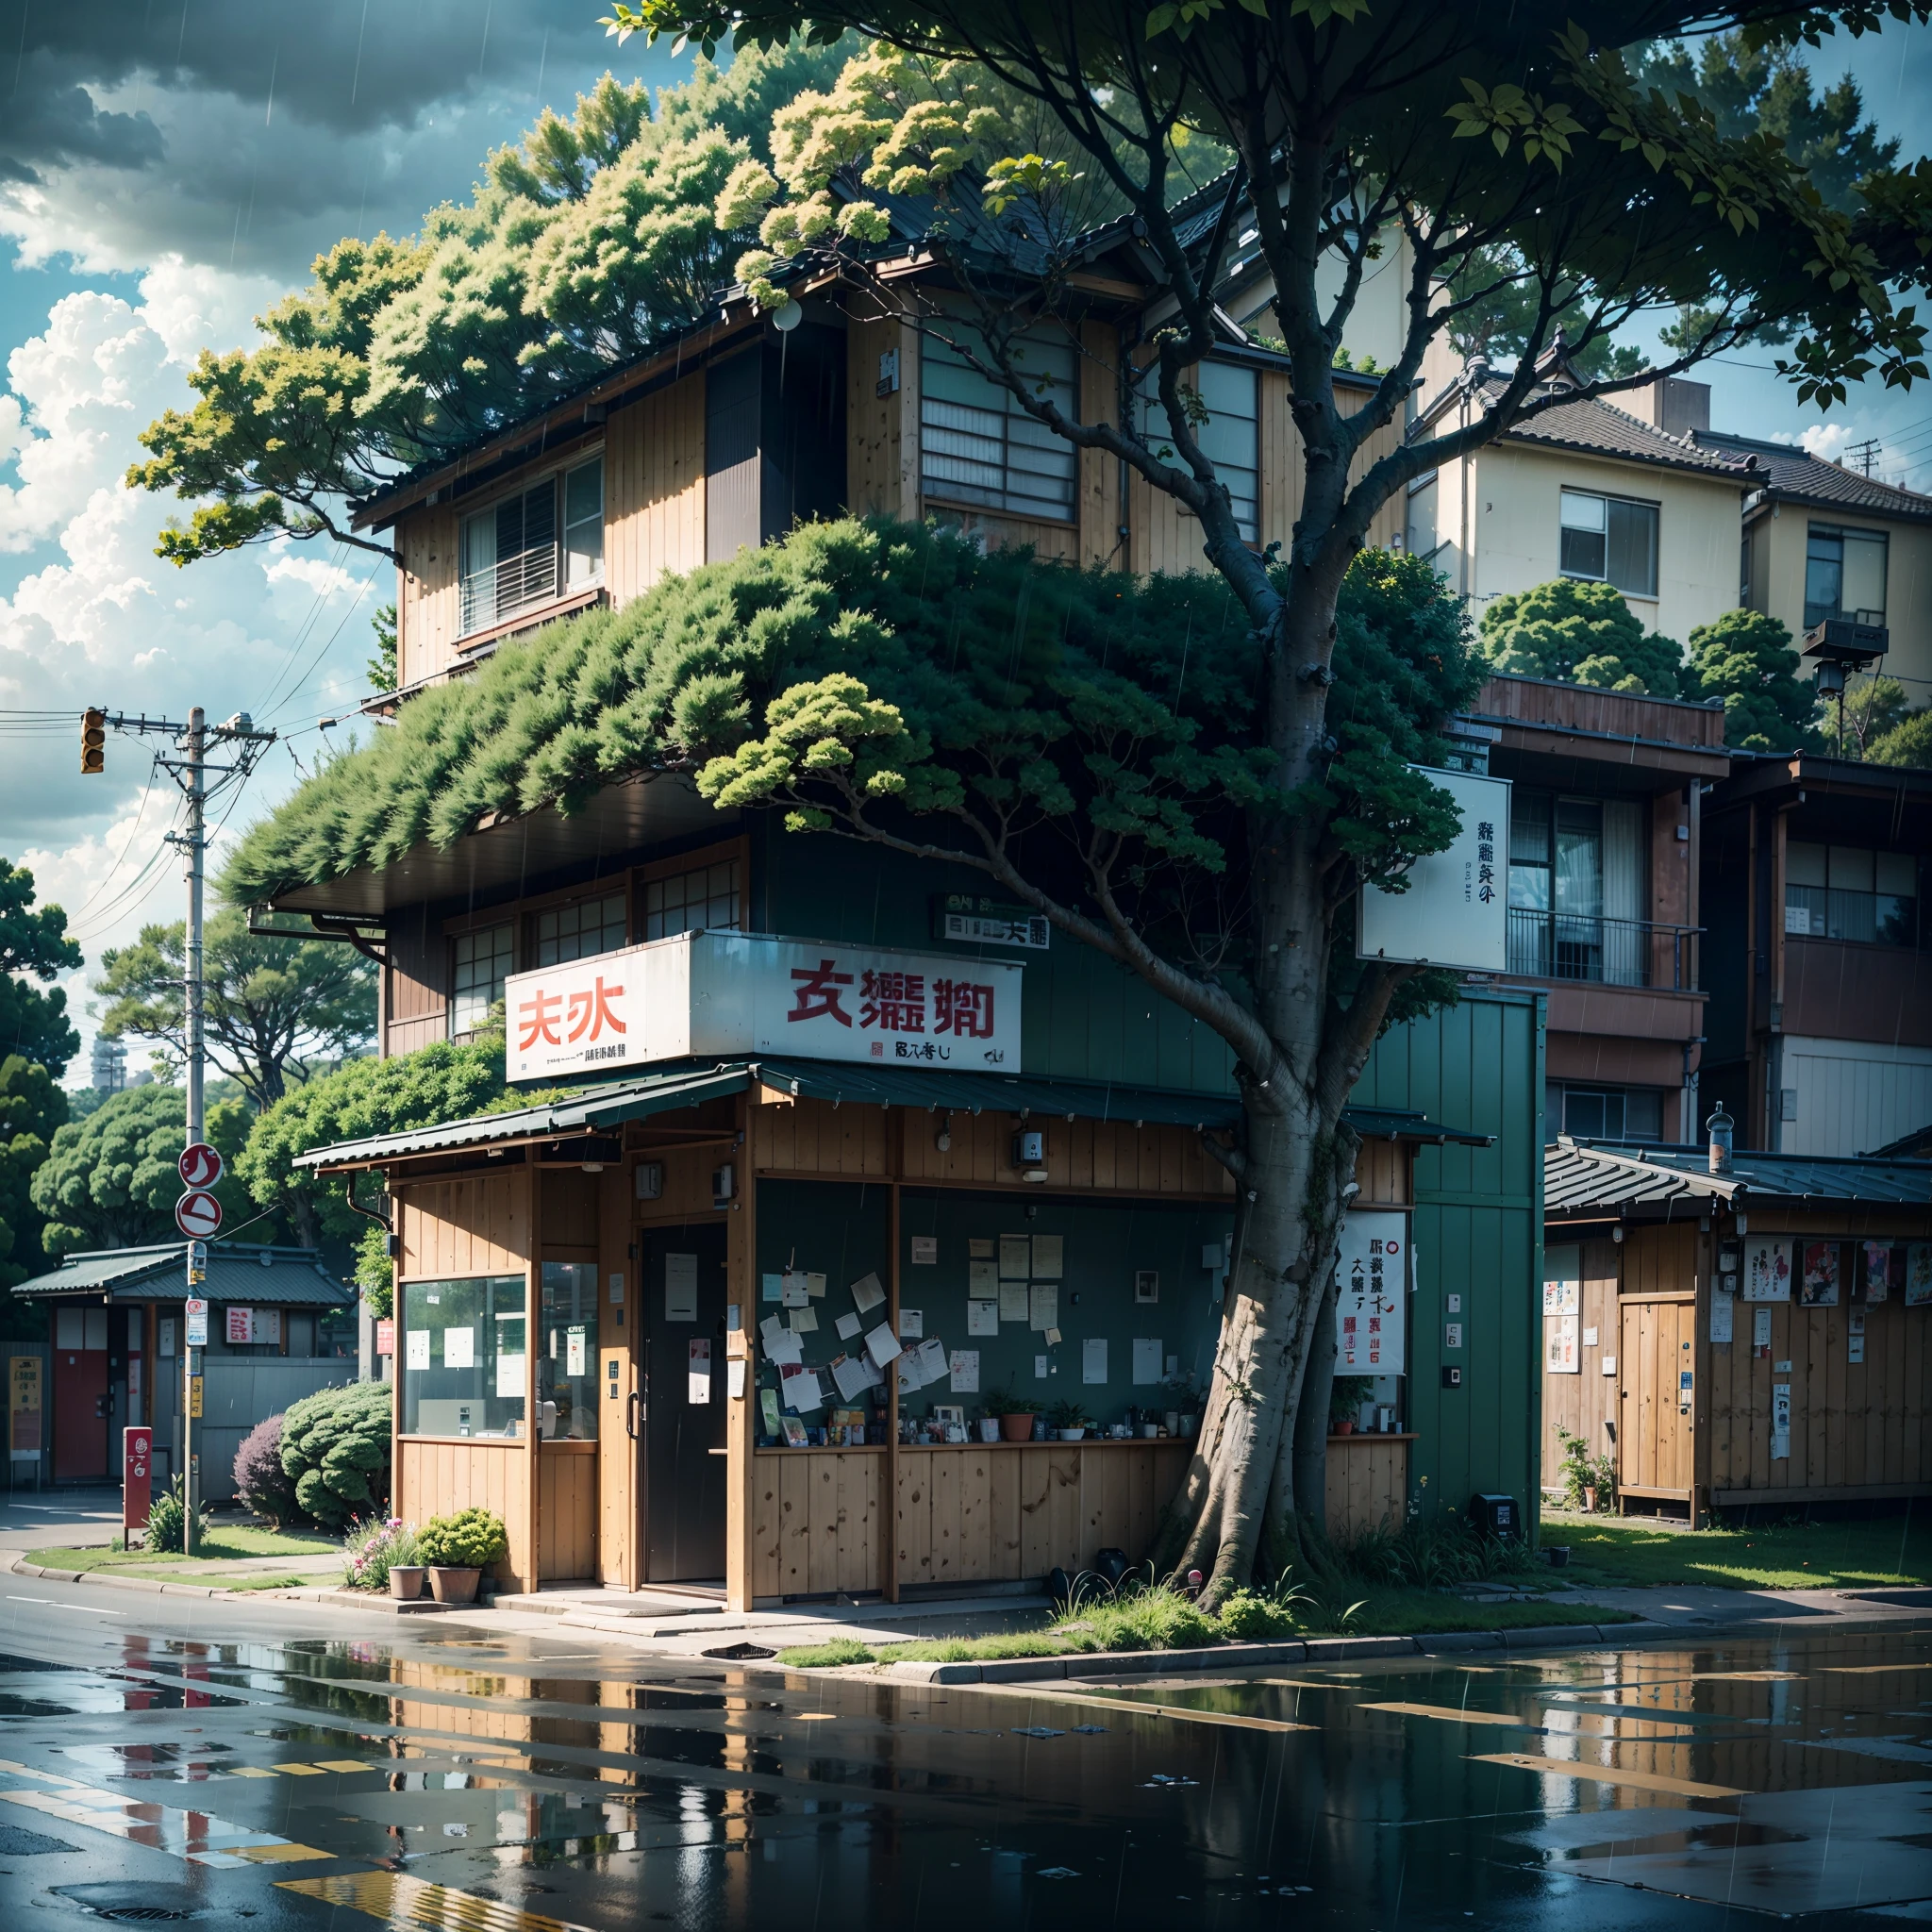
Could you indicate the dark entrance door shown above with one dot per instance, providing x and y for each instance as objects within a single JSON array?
[
  {"x": 80, "y": 1395},
  {"x": 682, "y": 1274}
]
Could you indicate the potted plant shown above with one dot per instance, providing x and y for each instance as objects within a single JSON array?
[
  {"x": 1013, "y": 1413},
  {"x": 1067, "y": 1420},
  {"x": 457, "y": 1549},
  {"x": 1345, "y": 1401}
]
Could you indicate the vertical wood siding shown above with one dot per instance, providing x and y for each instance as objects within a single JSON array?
[
  {"x": 437, "y": 1479},
  {"x": 426, "y": 609},
  {"x": 1586, "y": 1404},
  {"x": 1367, "y": 1486},
  {"x": 882, "y": 432},
  {"x": 478, "y": 1225},
  {"x": 567, "y": 1512},
  {"x": 654, "y": 489}
]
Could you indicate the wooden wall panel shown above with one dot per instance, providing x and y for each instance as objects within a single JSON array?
[
  {"x": 570, "y": 1205},
  {"x": 654, "y": 489},
  {"x": 475, "y": 1225},
  {"x": 567, "y": 1512},
  {"x": 1584, "y": 1403},
  {"x": 427, "y": 608},
  {"x": 437, "y": 1479},
  {"x": 882, "y": 432},
  {"x": 815, "y": 1518},
  {"x": 1382, "y": 1172},
  {"x": 1367, "y": 1486},
  {"x": 1098, "y": 498}
]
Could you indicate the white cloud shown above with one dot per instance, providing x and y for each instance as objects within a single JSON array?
[{"x": 1827, "y": 442}]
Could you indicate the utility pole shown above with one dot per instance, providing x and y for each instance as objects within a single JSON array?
[
  {"x": 190, "y": 771},
  {"x": 1864, "y": 454}
]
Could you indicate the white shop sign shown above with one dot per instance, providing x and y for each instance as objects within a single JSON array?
[
  {"x": 1372, "y": 1293},
  {"x": 1456, "y": 912},
  {"x": 719, "y": 993}
]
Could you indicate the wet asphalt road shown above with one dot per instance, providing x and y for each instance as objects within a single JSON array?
[{"x": 167, "y": 1759}]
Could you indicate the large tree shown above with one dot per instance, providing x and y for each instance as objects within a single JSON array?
[
  {"x": 1497, "y": 148},
  {"x": 31, "y": 1108},
  {"x": 34, "y": 945},
  {"x": 269, "y": 1006}
]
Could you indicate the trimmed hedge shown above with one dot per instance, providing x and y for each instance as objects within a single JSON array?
[{"x": 335, "y": 1450}]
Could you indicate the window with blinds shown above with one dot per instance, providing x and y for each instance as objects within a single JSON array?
[
  {"x": 978, "y": 445},
  {"x": 704, "y": 897},
  {"x": 483, "y": 961},
  {"x": 532, "y": 548},
  {"x": 579, "y": 930}
]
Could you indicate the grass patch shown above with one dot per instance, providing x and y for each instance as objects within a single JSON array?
[
  {"x": 228, "y": 1543},
  {"x": 1866, "y": 1554},
  {"x": 1148, "y": 1623},
  {"x": 270, "y": 1583}
]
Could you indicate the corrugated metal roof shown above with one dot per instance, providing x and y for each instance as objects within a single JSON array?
[
  {"x": 1579, "y": 1176},
  {"x": 236, "y": 1272},
  {"x": 598, "y": 1108}
]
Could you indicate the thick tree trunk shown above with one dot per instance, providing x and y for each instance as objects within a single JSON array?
[{"x": 1309, "y": 1445}]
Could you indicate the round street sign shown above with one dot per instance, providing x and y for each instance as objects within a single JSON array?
[
  {"x": 200, "y": 1166},
  {"x": 197, "y": 1214}
]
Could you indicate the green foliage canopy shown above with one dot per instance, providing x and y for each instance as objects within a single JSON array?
[
  {"x": 34, "y": 945},
  {"x": 1746, "y": 658},
  {"x": 32, "y": 1109},
  {"x": 1582, "y": 633},
  {"x": 1909, "y": 743}
]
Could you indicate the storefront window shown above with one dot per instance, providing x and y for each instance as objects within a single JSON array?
[
  {"x": 567, "y": 1366},
  {"x": 464, "y": 1355}
]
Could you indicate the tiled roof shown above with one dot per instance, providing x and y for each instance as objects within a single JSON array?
[
  {"x": 1600, "y": 428},
  {"x": 236, "y": 1272},
  {"x": 1581, "y": 1177},
  {"x": 1796, "y": 476}
]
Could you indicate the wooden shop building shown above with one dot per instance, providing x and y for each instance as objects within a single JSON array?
[{"x": 1759, "y": 1336}]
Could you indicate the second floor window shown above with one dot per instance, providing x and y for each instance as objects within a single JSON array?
[
  {"x": 1609, "y": 540},
  {"x": 977, "y": 444},
  {"x": 1230, "y": 438},
  {"x": 1577, "y": 878},
  {"x": 1844, "y": 575},
  {"x": 1850, "y": 892},
  {"x": 579, "y": 930},
  {"x": 704, "y": 897},
  {"x": 481, "y": 965},
  {"x": 533, "y": 546}
]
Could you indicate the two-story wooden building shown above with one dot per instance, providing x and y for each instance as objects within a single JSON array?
[{"x": 727, "y": 1319}]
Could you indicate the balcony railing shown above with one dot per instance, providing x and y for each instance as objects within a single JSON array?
[
  {"x": 1608, "y": 951},
  {"x": 529, "y": 576}
]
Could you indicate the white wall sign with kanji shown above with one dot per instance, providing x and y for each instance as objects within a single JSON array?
[
  {"x": 716, "y": 992},
  {"x": 1372, "y": 1294},
  {"x": 1454, "y": 907}
]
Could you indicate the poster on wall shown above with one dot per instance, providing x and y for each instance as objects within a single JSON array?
[
  {"x": 1878, "y": 1267},
  {"x": 1563, "y": 1279},
  {"x": 1561, "y": 1355},
  {"x": 1721, "y": 1308},
  {"x": 1767, "y": 1270},
  {"x": 1820, "y": 1286},
  {"x": 1372, "y": 1293},
  {"x": 1780, "y": 1421},
  {"x": 1918, "y": 1273}
]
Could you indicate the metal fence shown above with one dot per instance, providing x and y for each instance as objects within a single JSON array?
[{"x": 1610, "y": 952}]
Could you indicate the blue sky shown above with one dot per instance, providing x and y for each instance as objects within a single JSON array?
[{"x": 159, "y": 185}]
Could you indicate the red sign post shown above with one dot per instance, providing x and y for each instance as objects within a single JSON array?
[{"x": 137, "y": 1478}]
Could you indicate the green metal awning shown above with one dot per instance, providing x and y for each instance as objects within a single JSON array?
[{"x": 596, "y": 1110}]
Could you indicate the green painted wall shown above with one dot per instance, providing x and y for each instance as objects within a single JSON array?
[{"x": 1477, "y": 1232}]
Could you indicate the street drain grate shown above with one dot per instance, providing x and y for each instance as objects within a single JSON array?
[
  {"x": 142, "y": 1914},
  {"x": 740, "y": 1652}
]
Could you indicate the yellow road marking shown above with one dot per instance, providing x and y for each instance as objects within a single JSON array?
[
  {"x": 397, "y": 1899},
  {"x": 300, "y": 1770},
  {"x": 197, "y": 1836},
  {"x": 248, "y": 1770},
  {"x": 343, "y": 1764},
  {"x": 1132, "y": 1706},
  {"x": 1608, "y": 1775},
  {"x": 281, "y": 1855},
  {"x": 814, "y": 1717}
]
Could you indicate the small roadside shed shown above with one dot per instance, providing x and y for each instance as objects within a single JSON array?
[
  {"x": 1757, "y": 1332},
  {"x": 280, "y": 1327}
]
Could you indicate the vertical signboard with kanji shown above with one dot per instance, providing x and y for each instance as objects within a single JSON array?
[
  {"x": 1454, "y": 907},
  {"x": 1372, "y": 1294},
  {"x": 23, "y": 1405}
]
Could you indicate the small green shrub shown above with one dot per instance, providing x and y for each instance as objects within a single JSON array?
[
  {"x": 167, "y": 1520},
  {"x": 471, "y": 1539},
  {"x": 998, "y": 1401},
  {"x": 1582, "y": 1470},
  {"x": 820, "y": 1657},
  {"x": 335, "y": 1449},
  {"x": 1068, "y": 1415}
]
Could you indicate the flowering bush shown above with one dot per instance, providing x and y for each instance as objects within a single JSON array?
[
  {"x": 375, "y": 1547},
  {"x": 265, "y": 1486}
]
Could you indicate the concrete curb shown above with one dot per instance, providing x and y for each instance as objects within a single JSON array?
[{"x": 160, "y": 1587}]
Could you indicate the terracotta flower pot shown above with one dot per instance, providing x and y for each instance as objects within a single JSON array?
[
  {"x": 1345, "y": 1427},
  {"x": 406, "y": 1581},
  {"x": 1016, "y": 1428},
  {"x": 1590, "y": 1501},
  {"x": 449, "y": 1585}
]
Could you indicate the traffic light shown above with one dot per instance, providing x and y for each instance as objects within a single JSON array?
[{"x": 93, "y": 740}]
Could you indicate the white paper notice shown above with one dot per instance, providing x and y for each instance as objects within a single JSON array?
[
  {"x": 932, "y": 1359},
  {"x": 734, "y": 1375},
  {"x": 1044, "y": 1307},
  {"x": 983, "y": 1279},
  {"x": 1039, "y": 1367},
  {"x": 698, "y": 1376},
  {"x": 1092, "y": 1357},
  {"x": 509, "y": 1375},
  {"x": 771, "y": 1288},
  {"x": 1148, "y": 1358},
  {"x": 1016, "y": 1257},
  {"x": 572, "y": 1351},
  {"x": 459, "y": 1348},
  {"x": 1780, "y": 1421},
  {"x": 882, "y": 1345},
  {"x": 1012, "y": 1301},
  {"x": 416, "y": 1349},
  {"x": 982, "y": 1318},
  {"x": 867, "y": 1293},
  {"x": 911, "y": 1323},
  {"x": 965, "y": 1364},
  {"x": 848, "y": 1326},
  {"x": 926, "y": 1250},
  {"x": 803, "y": 1321},
  {"x": 681, "y": 1287},
  {"x": 815, "y": 1286},
  {"x": 770, "y": 1329},
  {"x": 1721, "y": 1306},
  {"x": 784, "y": 1348},
  {"x": 1048, "y": 1254},
  {"x": 979, "y": 1248},
  {"x": 800, "y": 1388},
  {"x": 851, "y": 1377},
  {"x": 911, "y": 1382},
  {"x": 617, "y": 1290},
  {"x": 1561, "y": 1354},
  {"x": 793, "y": 1291}
]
